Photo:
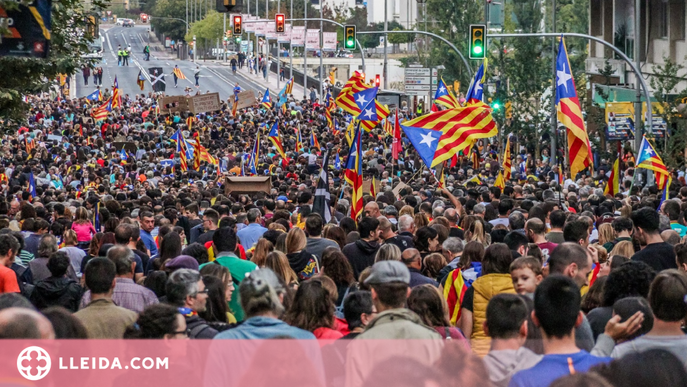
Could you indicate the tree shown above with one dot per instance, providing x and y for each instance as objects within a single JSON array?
[
  {"x": 31, "y": 75},
  {"x": 664, "y": 83},
  {"x": 175, "y": 29},
  {"x": 210, "y": 28}
]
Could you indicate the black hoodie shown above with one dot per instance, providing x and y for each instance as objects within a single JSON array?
[
  {"x": 304, "y": 264},
  {"x": 361, "y": 254},
  {"x": 54, "y": 291}
]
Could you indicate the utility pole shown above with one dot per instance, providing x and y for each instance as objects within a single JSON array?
[
  {"x": 554, "y": 119},
  {"x": 305, "y": 52},
  {"x": 290, "y": 44},
  {"x": 257, "y": 13},
  {"x": 186, "y": 17},
  {"x": 321, "y": 71},
  {"x": 638, "y": 105},
  {"x": 278, "y": 49},
  {"x": 225, "y": 34},
  {"x": 386, "y": 37},
  {"x": 267, "y": 42}
]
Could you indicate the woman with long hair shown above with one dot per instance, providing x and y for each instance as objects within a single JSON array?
[
  {"x": 76, "y": 255},
  {"x": 476, "y": 232},
  {"x": 84, "y": 228},
  {"x": 336, "y": 234},
  {"x": 217, "y": 308},
  {"x": 428, "y": 303},
  {"x": 170, "y": 247},
  {"x": 278, "y": 262},
  {"x": 605, "y": 234},
  {"x": 335, "y": 265},
  {"x": 313, "y": 310},
  {"x": 262, "y": 248},
  {"x": 303, "y": 263},
  {"x": 624, "y": 248},
  {"x": 426, "y": 241}
]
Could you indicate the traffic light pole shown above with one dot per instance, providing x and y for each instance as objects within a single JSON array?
[
  {"x": 635, "y": 68},
  {"x": 465, "y": 62}
]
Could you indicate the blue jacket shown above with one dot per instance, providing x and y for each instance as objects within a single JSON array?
[{"x": 264, "y": 328}]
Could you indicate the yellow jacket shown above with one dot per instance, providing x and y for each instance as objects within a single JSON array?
[{"x": 486, "y": 287}]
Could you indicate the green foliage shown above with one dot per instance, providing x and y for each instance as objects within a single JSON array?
[
  {"x": 32, "y": 75},
  {"x": 399, "y": 38},
  {"x": 664, "y": 83},
  {"x": 175, "y": 29},
  {"x": 210, "y": 28}
]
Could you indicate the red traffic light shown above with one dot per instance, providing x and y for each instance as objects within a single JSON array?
[
  {"x": 279, "y": 22},
  {"x": 377, "y": 81},
  {"x": 237, "y": 25}
]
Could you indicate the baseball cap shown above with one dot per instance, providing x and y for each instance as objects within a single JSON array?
[{"x": 388, "y": 271}]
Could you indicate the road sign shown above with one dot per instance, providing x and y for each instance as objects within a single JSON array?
[
  {"x": 417, "y": 72},
  {"x": 417, "y": 87}
]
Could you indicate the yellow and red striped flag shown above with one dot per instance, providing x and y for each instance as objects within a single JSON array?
[
  {"x": 507, "y": 166},
  {"x": 178, "y": 73},
  {"x": 455, "y": 129},
  {"x": 196, "y": 151},
  {"x": 354, "y": 175},
  {"x": 373, "y": 189},
  {"x": 116, "y": 98},
  {"x": 500, "y": 182},
  {"x": 345, "y": 98},
  {"x": 189, "y": 121},
  {"x": 613, "y": 184},
  {"x": 648, "y": 158},
  {"x": 570, "y": 114},
  {"x": 454, "y": 291},
  {"x": 181, "y": 150}
]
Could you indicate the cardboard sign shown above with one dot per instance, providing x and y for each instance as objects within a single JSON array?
[
  {"x": 367, "y": 186},
  {"x": 204, "y": 103},
  {"x": 399, "y": 187},
  {"x": 173, "y": 104},
  {"x": 246, "y": 99},
  {"x": 241, "y": 184}
]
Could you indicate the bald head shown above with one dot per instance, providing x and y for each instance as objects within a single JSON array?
[
  {"x": 452, "y": 215},
  {"x": 535, "y": 226},
  {"x": 22, "y": 323},
  {"x": 372, "y": 210},
  {"x": 411, "y": 257}
]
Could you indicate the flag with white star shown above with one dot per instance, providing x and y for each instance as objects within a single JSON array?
[
  {"x": 444, "y": 97},
  {"x": 475, "y": 91},
  {"x": 441, "y": 135},
  {"x": 648, "y": 158},
  {"x": 570, "y": 114}
]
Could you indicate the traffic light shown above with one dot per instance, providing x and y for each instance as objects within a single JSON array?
[
  {"x": 496, "y": 105},
  {"x": 238, "y": 40},
  {"x": 237, "y": 25},
  {"x": 349, "y": 37},
  {"x": 228, "y": 34},
  {"x": 509, "y": 110},
  {"x": 478, "y": 41},
  {"x": 225, "y": 5},
  {"x": 377, "y": 82},
  {"x": 279, "y": 22}
]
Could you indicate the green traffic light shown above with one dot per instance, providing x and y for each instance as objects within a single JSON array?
[
  {"x": 477, "y": 50},
  {"x": 496, "y": 106},
  {"x": 350, "y": 43}
]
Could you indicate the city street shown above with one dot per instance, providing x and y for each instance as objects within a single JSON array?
[{"x": 215, "y": 77}]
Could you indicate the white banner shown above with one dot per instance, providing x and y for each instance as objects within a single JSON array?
[
  {"x": 312, "y": 40},
  {"x": 329, "y": 41},
  {"x": 260, "y": 28},
  {"x": 285, "y": 37},
  {"x": 248, "y": 27},
  {"x": 271, "y": 32},
  {"x": 297, "y": 38}
]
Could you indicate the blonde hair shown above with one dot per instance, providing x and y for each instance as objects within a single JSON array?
[
  {"x": 276, "y": 226},
  {"x": 295, "y": 240},
  {"x": 420, "y": 220},
  {"x": 81, "y": 216},
  {"x": 624, "y": 248},
  {"x": 406, "y": 210},
  {"x": 476, "y": 233},
  {"x": 388, "y": 252},
  {"x": 262, "y": 248},
  {"x": 277, "y": 261},
  {"x": 70, "y": 238},
  {"x": 605, "y": 233}
]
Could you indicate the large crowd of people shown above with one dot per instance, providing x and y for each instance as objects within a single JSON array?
[{"x": 104, "y": 236}]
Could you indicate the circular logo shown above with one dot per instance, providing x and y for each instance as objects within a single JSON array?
[{"x": 33, "y": 363}]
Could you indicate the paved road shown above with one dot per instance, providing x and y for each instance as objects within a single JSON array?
[{"x": 214, "y": 77}]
